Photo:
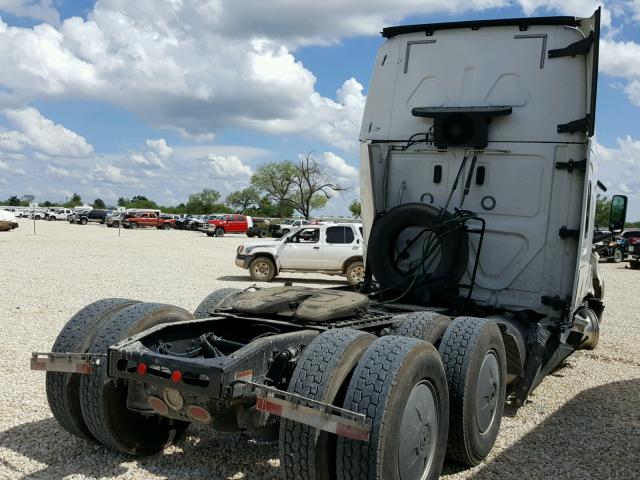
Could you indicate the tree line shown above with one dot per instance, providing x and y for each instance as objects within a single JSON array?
[{"x": 277, "y": 189}]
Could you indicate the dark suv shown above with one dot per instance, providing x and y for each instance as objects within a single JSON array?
[{"x": 82, "y": 218}]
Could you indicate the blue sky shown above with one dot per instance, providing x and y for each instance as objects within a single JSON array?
[{"x": 118, "y": 98}]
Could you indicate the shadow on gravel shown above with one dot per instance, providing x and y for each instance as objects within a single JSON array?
[
  {"x": 593, "y": 436},
  {"x": 203, "y": 453},
  {"x": 277, "y": 280}
]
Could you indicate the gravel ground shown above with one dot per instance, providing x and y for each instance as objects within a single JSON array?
[{"x": 583, "y": 422}]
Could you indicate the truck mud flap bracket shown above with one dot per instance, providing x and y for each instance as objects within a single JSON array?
[
  {"x": 322, "y": 416},
  {"x": 66, "y": 362}
]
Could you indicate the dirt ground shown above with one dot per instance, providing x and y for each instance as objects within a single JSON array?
[{"x": 583, "y": 422}]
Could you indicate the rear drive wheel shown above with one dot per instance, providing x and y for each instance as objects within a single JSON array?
[
  {"x": 475, "y": 361},
  {"x": 400, "y": 385},
  {"x": 262, "y": 269},
  {"x": 166, "y": 226},
  {"x": 63, "y": 389},
  {"x": 219, "y": 232},
  {"x": 207, "y": 307},
  {"x": 322, "y": 373},
  {"x": 355, "y": 273},
  {"x": 427, "y": 326},
  {"x": 83, "y": 221},
  {"x": 104, "y": 401}
]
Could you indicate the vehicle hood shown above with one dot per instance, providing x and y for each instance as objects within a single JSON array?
[{"x": 263, "y": 244}]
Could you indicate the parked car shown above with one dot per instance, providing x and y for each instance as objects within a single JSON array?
[
  {"x": 228, "y": 223},
  {"x": 83, "y": 217},
  {"x": 59, "y": 214},
  {"x": 612, "y": 249},
  {"x": 285, "y": 226},
  {"x": 182, "y": 223},
  {"x": 113, "y": 220},
  {"x": 7, "y": 221},
  {"x": 36, "y": 214},
  {"x": 332, "y": 248},
  {"x": 139, "y": 220},
  {"x": 260, "y": 228}
]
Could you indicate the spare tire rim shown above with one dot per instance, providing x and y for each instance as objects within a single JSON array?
[
  {"x": 416, "y": 249},
  {"x": 487, "y": 392},
  {"x": 261, "y": 269},
  {"x": 418, "y": 432}
]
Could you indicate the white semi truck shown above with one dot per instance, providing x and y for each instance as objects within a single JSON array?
[{"x": 478, "y": 192}]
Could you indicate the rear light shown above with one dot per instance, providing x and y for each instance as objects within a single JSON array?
[
  {"x": 176, "y": 376},
  {"x": 199, "y": 414},
  {"x": 158, "y": 405},
  {"x": 142, "y": 369}
]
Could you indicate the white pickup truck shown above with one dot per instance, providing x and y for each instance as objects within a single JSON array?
[
  {"x": 332, "y": 248},
  {"x": 59, "y": 214}
]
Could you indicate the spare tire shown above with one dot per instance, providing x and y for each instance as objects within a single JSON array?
[{"x": 418, "y": 246}]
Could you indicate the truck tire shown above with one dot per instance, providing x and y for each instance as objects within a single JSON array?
[
  {"x": 262, "y": 269},
  {"x": 427, "y": 326},
  {"x": 83, "y": 221},
  {"x": 322, "y": 373},
  {"x": 207, "y": 306},
  {"x": 219, "y": 232},
  {"x": 209, "y": 234},
  {"x": 166, "y": 226},
  {"x": 400, "y": 385},
  {"x": 104, "y": 400},
  {"x": 63, "y": 389},
  {"x": 262, "y": 234},
  {"x": 50, "y": 218},
  {"x": 133, "y": 226},
  {"x": 355, "y": 272},
  {"x": 116, "y": 224},
  {"x": 285, "y": 231},
  {"x": 474, "y": 358},
  {"x": 617, "y": 256}
]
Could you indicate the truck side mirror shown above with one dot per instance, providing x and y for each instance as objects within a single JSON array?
[{"x": 618, "y": 213}]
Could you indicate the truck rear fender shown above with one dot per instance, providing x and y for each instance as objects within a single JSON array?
[{"x": 355, "y": 258}]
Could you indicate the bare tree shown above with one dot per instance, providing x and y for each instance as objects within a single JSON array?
[{"x": 312, "y": 188}]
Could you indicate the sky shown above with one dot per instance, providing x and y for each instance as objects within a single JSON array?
[{"x": 164, "y": 98}]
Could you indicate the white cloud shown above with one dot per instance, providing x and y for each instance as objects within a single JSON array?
[
  {"x": 160, "y": 147},
  {"x": 229, "y": 167},
  {"x": 111, "y": 174},
  {"x": 339, "y": 170},
  {"x": 35, "y": 9},
  {"x": 622, "y": 59},
  {"x": 618, "y": 169},
  {"x": 42, "y": 135}
]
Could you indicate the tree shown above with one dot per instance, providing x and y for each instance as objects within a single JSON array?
[
  {"x": 99, "y": 203},
  {"x": 122, "y": 202},
  {"x": 312, "y": 188},
  {"x": 75, "y": 201},
  {"x": 14, "y": 201},
  {"x": 27, "y": 199},
  {"x": 276, "y": 179},
  {"x": 355, "y": 208},
  {"x": 207, "y": 201},
  {"x": 603, "y": 205},
  {"x": 242, "y": 200}
]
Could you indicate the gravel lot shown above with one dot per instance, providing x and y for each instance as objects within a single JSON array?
[{"x": 583, "y": 422}]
